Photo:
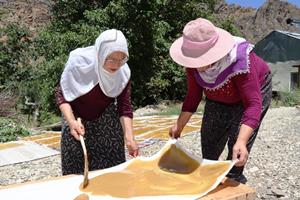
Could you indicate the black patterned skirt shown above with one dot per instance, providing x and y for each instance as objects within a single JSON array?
[
  {"x": 104, "y": 140},
  {"x": 221, "y": 123}
]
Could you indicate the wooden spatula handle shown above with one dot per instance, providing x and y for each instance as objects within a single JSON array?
[{"x": 86, "y": 167}]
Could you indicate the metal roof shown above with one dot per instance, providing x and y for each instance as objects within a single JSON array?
[{"x": 279, "y": 46}]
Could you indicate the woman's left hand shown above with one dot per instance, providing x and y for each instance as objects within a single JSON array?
[
  {"x": 240, "y": 153},
  {"x": 132, "y": 147}
]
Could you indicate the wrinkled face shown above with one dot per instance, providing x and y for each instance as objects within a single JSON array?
[{"x": 114, "y": 61}]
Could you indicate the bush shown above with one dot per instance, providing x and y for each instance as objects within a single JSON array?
[
  {"x": 10, "y": 131},
  {"x": 7, "y": 103},
  {"x": 149, "y": 26},
  {"x": 149, "y": 33},
  {"x": 287, "y": 98},
  {"x": 14, "y": 45}
]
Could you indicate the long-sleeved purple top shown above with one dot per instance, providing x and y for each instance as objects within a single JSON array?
[
  {"x": 243, "y": 88},
  {"x": 91, "y": 105}
]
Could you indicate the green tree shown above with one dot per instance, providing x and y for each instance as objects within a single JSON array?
[
  {"x": 149, "y": 26},
  {"x": 14, "y": 53}
]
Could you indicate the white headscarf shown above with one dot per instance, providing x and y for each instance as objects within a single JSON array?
[{"x": 84, "y": 68}]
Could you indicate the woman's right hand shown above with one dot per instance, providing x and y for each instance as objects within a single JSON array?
[
  {"x": 76, "y": 129},
  {"x": 177, "y": 128},
  {"x": 174, "y": 131},
  {"x": 132, "y": 147}
]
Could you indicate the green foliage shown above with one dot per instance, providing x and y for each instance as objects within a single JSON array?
[
  {"x": 68, "y": 12},
  {"x": 10, "y": 130},
  {"x": 288, "y": 98},
  {"x": 14, "y": 53},
  {"x": 149, "y": 26},
  {"x": 40, "y": 89}
]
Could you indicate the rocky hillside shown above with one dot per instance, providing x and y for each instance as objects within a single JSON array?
[
  {"x": 255, "y": 24},
  {"x": 33, "y": 14}
]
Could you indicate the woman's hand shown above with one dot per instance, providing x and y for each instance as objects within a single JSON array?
[
  {"x": 174, "y": 131},
  {"x": 132, "y": 147},
  {"x": 240, "y": 153},
  {"x": 76, "y": 128},
  {"x": 177, "y": 128},
  {"x": 131, "y": 144}
]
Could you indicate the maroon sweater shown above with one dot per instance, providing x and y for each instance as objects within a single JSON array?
[
  {"x": 91, "y": 105},
  {"x": 243, "y": 88}
]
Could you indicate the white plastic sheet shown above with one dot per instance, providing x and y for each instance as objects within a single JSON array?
[{"x": 68, "y": 187}]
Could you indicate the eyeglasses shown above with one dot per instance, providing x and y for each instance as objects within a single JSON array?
[{"x": 116, "y": 61}]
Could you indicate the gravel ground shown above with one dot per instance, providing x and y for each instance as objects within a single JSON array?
[{"x": 273, "y": 169}]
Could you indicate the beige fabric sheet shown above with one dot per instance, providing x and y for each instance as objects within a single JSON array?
[{"x": 172, "y": 173}]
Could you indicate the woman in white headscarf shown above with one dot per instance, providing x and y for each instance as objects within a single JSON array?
[{"x": 95, "y": 87}]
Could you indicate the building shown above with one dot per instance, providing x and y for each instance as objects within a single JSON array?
[{"x": 281, "y": 50}]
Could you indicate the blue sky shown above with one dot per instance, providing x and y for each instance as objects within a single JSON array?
[{"x": 257, "y": 3}]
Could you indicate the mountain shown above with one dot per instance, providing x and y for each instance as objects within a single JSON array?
[
  {"x": 33, "y": 14},
  {"x": 255, "y": 24}
]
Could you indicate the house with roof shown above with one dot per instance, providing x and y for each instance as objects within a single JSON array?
[{"x": 281, "y": 50}]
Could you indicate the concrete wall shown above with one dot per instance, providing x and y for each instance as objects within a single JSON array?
[{"x": 282, "y": 75}]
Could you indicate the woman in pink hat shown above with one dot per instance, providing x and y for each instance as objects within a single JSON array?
[
  {"x": 236, "y": 83},
  {"x": 95, "y": 86}
]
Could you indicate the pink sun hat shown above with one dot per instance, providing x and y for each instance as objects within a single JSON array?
[{"x": 201, "y": 44}]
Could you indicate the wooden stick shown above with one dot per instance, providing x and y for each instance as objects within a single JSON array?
[{"x": 86, "y": 167}]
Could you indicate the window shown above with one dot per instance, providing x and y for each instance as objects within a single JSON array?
[{"x": 294, "y": 80}]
